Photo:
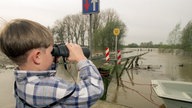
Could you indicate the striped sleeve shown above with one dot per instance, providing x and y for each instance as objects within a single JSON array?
[{"x": 90, "y": 88}]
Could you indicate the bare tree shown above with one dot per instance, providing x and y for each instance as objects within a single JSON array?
[
  {"x": 75, "y": 28},
  {"x": 83, "y": 27},
  {"x": 58, "y": 31},
  {"x": 71, "y": 29}
]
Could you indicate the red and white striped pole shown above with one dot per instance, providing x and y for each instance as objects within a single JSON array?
[
  {"x": 118, "y": 57},
  {"x": 107, "y": 55}
]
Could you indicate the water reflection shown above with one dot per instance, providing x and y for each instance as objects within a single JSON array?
[
  {"x": 171, "y": 66},
  {"x": 186, "y": 72}
]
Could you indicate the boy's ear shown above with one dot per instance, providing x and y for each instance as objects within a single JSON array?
[{"x": 36, "y": 58}]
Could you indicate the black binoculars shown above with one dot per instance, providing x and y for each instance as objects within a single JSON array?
[{"x": 62, "y": 50}]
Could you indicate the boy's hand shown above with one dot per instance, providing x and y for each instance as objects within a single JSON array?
[{"x": 75, "y": 52}]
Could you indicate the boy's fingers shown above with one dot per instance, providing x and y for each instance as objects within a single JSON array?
[{"x": 68, "y": 45}]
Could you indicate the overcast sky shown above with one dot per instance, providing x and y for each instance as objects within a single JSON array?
[{"x": 146, "y": 20}]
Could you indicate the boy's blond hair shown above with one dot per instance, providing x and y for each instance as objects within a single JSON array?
[{"x": 19, "y": 36}]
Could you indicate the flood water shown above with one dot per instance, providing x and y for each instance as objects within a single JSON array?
[{"x": 164, "y": 66}]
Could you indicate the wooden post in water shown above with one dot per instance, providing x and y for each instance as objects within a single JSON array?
[{"x": 129, "y": 65}]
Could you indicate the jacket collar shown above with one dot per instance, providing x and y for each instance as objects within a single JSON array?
[{"x": 21, "y": 75}]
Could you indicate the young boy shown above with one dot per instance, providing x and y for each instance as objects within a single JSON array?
[{"x": 29, "y": 45}]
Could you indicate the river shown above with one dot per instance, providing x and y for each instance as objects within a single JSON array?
[{"x": 164, "y": 66}]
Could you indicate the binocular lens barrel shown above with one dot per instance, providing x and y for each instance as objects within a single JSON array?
[{"x": 62, "y": 50}]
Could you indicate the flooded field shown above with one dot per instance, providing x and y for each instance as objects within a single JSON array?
[{"x": 136, "y": 92}]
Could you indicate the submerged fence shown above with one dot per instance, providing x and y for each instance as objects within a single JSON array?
[{"x": 113, "y": 69}]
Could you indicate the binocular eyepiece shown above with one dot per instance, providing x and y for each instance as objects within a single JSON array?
[{"x": 62, "y": 50}]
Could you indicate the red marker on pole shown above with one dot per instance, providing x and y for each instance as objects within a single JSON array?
[
  {"x": 107, "y": 55},
  {"x": 118, "y": 57}
]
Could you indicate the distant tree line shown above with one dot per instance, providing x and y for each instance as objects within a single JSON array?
[
  {"x": 177, "y": 39},
  {"x": 144, "y": 45},
  {"x": 75, "y": 28}
]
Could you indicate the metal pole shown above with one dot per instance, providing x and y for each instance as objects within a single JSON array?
[
  {"x": 116, "y": 68},
  {"x": 90, "y": 36},
  {"x": 115, "y": 47}
]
